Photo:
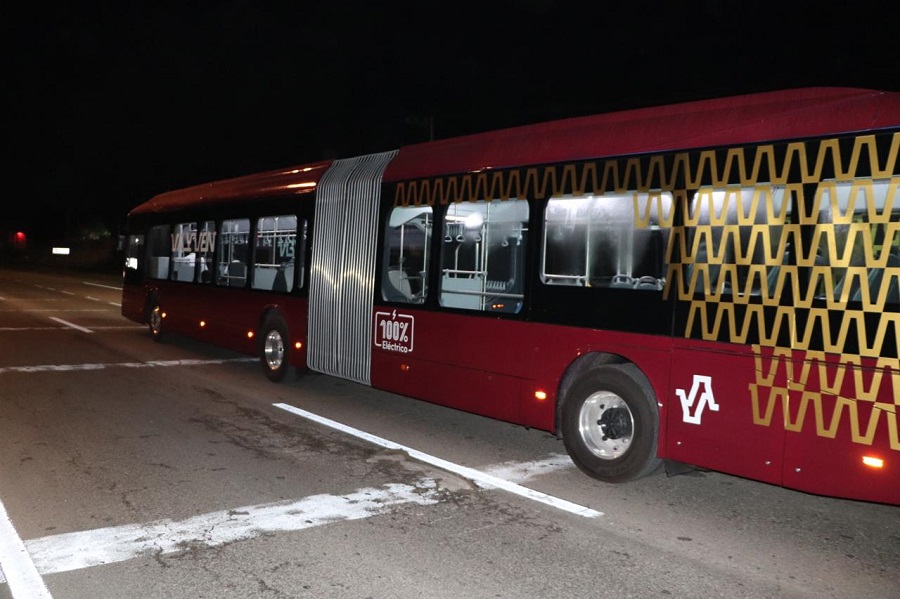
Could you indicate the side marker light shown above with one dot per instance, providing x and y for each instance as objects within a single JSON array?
[
  {"x": 202, "y": 323},
  {"x": 540, "y": 395},
  {"x": 249, "y": 334},
  {"x": 298, "y": 345},
  {"x": 873, "y": 462}
]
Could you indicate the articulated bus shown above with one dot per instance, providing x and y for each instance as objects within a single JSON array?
[{"x": 713, "y": 283}]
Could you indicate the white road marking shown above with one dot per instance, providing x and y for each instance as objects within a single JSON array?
[
  {"x": 16, "y": 564},
  {"x": 522, "y": 471},
  {"x": 104, "y": 286},
  {"x": 60, "y": 310},
  {"x": 150, "y": 364},
  {"x": 480, "y": 478},
  {"x": 93, "y": 299},
  {"x": 117, "y": 304},
  {"x": 67, "y": 292},
  {"x": 71, "y": 325},
  {"x": 76, "y": 550},
  {"x": 84, "y": 549},
  {"x": 95, "y": 329}
]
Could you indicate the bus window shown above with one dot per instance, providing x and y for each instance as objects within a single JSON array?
[
  {"x": 159, "y": 248},
  {"x": 184, "y": 257},
  {"x": 483, "y": 255},
  {"x": 134, "y": 252},
  {"x": 727, "y": 248},
  {"x": 273, "y": 262},
  {"x": 857, "y": 215},
  {"x": 407, "y": 239},
  {"x": 613, "y": 240},
  {"x": 234, "y": 239},
  {"x": 204, "y": 247}
]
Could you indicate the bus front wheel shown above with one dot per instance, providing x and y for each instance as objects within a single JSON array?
[
  {"x": 610, "y": 423},
  {"x": 274, "y": 354}
]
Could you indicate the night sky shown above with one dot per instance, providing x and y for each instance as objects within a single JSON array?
[{"x": 110, "y": 104}]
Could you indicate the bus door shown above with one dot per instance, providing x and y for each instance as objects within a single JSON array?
[
  {"x": 842, "y": 410},
  {"x": 468, "y": 349},
  {"x": 733, "y": 274}
]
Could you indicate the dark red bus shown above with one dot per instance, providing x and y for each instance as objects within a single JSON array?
[{"x": 713, "y": 283}]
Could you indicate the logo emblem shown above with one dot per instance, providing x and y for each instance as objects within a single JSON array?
[
  {"x": 697, "y": 404},
  {"x": 394, "y": 332}
]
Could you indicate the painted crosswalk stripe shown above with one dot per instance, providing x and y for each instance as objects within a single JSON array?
[
  {"x": 71, "y": 325},
  {"x": 16, "y": 564},
  {"x": 481, "y": 478},
  {"x": 83, "y": 549},
  {"x": 148, "y": 364}
]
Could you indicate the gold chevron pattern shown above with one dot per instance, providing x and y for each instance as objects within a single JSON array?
[
  {"x": 782, "y": 380},
  {"x": 726, "y": 261}
]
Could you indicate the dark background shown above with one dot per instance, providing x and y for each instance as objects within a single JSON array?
[{"x": 110, "y": 104}]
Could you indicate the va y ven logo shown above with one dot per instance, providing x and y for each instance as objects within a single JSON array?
[{"x": 697, "y": 404}]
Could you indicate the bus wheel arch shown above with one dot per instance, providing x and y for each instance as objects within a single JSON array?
[
  {"x": 584, "y": 363},
  {"x": 609, "y": 421},
  {"x": 274, "y": 345}
]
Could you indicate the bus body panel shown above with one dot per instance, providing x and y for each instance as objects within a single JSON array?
[
  {"x": 223, "y": 316},
  {"x": 841, "y": 424},
  {"x": 462, "y": 361},
  {"x": 710, "y": 423},
  {"x": 785, "y": 114}
]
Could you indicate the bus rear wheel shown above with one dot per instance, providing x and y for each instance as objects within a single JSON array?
[
  {"x": 154, "y": 322},
  {"x": 274, "y": 351},
  {"x": 610, "y": 423}
]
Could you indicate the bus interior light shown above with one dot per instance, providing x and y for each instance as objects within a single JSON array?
[{"x": 872, "y": 461}]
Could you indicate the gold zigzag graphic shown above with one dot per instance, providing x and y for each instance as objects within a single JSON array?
[
  {"x": 648, "y": 174},
  {"x": 781, "y": 379},
  {"x": 740, "y": 251}
]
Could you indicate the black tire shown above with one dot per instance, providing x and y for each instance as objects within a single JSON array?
[
  {"x": 154, "y": 321},
  {"x": 610, "y": 423},
  {"x": 274, "y": 347}
]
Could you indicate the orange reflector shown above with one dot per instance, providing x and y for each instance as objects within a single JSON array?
[
  {"x": 404, "y": 367},
  {"x": 298, "y": 345},
  {"x": 873, "y": 462},
  {"x": 540, "y": 395},
  {"x": 249, "y": 334},
  {"x": 202, "y": 323}
]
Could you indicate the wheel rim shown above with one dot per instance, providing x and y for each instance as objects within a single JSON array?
[
  {"x": 273, "y": 349},
  {"x": 606, "y": 425},
  {"x": 155, "y": 321}
]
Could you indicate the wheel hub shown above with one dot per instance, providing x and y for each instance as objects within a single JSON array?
[
  {"x": 274, "y": 350},
  {"x": 615, "y": 423},
  {"x": 606, "y": 425}
]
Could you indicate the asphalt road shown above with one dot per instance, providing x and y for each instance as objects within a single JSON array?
[{"x": 135, "y": 469}]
